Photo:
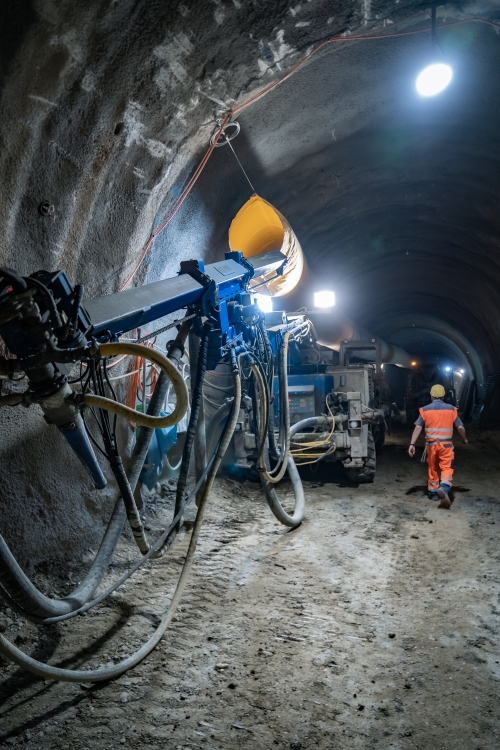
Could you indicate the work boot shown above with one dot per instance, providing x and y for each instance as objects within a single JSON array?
[
  {"x": 444, "y": 500},
  {"x": 433, "y": 496}
]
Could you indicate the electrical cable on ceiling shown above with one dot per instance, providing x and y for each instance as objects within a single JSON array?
[{"x": 214, "y": 140}]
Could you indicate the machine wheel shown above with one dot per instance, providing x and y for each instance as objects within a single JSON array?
[
  {"x": 365, "y": 474},
  {"x": 379, "y": 436}
]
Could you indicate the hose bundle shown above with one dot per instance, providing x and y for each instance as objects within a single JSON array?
[
  {"x": 106, "y": 673},
  {"x": 15, "y": 586},
  {"x": 285, "y": 461}
]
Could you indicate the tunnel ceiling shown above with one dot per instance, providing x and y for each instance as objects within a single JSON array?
[{"x": 395, "y": 199}]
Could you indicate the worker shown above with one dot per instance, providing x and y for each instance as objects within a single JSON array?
[{"x": 438, "y": 419}]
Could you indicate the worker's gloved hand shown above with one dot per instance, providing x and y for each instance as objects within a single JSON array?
[{"x": 411, "y": 451}]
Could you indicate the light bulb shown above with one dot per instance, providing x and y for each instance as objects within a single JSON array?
[
  {"x": 324, "y": 299},
  {"x": 264, "y": 302},
  {"x": 434, "y": 79}
]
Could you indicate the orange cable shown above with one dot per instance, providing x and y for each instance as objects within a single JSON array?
[{"x": 355, "y": 38}]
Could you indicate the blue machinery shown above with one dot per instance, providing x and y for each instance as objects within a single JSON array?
[
  {"x": 283, "y": 408},
  {"x": 44, "y": 324}
]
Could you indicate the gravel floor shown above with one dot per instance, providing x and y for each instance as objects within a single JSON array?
[{"x": 375, "y": 624}]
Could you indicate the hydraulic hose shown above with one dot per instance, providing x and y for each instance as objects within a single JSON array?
[
  {"x": 128, "y": 484},
  {"x": 273, "y": 448},
  {"x": 215, "y": 422},
  {"x": 267, "y": 481},
  {"x": 127, "y": 494},
  {"x": 167, "y": 368},
  {"x": 23, "y": 594},
  {"x": 262, "y": 420},
  {"x": 193, "y": 417},
  {"x": 279, "y": 470},
  {"x": 155, "y": 548},
  {"x": 320, "y": 421},
  {"x": 279, "y": 512},
  {"x": 31, "y": 601},
  {"x": 107, "y": 673}
]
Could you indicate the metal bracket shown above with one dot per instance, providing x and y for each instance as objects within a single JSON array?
[{"x": 210, "y": 298}]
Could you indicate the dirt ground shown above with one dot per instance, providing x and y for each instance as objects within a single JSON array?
[{"x": 373, "y": 625}]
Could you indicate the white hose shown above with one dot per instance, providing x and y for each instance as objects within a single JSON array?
[{"x": 106, "y": 673}]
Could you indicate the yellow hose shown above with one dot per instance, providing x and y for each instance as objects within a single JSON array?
[{"x": 167, "y": 367}]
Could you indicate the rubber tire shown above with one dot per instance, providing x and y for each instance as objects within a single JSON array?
[
  {"x": 365, "y": 474},
  {"x": 379, "y": 436}
]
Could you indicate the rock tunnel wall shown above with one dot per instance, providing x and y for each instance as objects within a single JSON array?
[{"x": 105, "y": 107}]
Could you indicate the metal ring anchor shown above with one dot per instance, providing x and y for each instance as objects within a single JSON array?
[{"x": 225, "y": 137}]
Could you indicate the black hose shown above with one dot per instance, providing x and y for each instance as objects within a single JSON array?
[
  {"x": 76, "y": 305},
  {"x": 107, "y": 673},
  {"x": 193, "y": 418},
  {"x": 279, "y": 512},
  {"x": 15, "y": 582},
  {"x": 153, "y": 550},
  {"x": 56, "y": 318},
  {"x": 175, "y": 352},
  {"x": 282, "y": 410},
  {"x": 273, "y": 448},
  {"x": 127, "y": 494},
  {"x": 265, "y": 430}
]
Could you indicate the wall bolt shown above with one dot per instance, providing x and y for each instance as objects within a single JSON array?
[{"x": 46, "y": 209}]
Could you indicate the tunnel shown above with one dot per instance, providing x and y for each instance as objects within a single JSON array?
[{"x": 132, "y": 134}]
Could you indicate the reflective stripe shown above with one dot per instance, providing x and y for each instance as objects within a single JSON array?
[{"x": 439, "y": 429}]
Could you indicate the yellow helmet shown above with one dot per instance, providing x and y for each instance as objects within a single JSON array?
[{"x": 437, "y": 391}]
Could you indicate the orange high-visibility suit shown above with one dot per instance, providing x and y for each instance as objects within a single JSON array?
[{"x": 439, "y": 419}]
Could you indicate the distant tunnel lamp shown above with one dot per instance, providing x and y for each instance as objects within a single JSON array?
[
  {"x": 324, "y": 299},
  {"x": 448, "y": 369},
  {"x": 413, "y": 364},
  {"x": 264, "y": 302},
  {"x": 437, "y": 75},
  {"x": 462, "y": 372}
]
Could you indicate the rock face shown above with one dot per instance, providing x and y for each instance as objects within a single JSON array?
[{"x": 106, "y": 106}]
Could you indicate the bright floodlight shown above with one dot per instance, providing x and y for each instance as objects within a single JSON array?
[
  {"x": 264, "y": 302},
  {"x": 462, "y": 371},
  {"x": 447, "y": 369},
  {"x": 434, "y": 79},
  {"x": 324, "y": 299}
]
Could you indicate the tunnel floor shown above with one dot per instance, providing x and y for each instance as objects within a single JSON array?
[{"x": 375, "y": 624}]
